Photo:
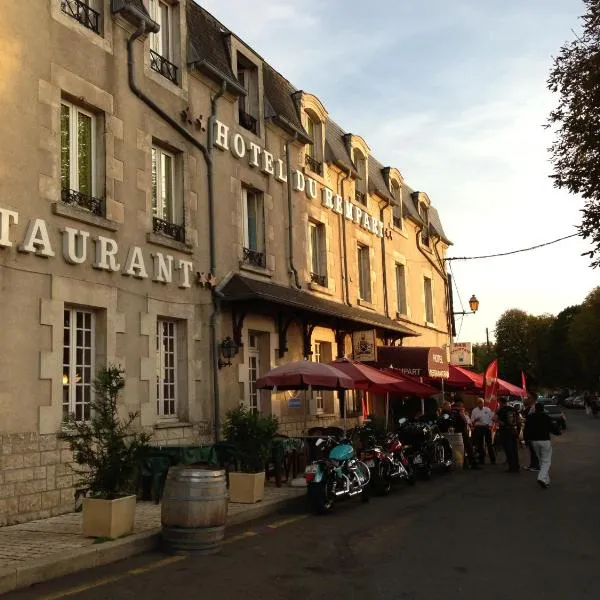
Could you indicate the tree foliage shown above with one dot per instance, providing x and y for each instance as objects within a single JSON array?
[
  {"x": 106, "y": 448},
  {"x": 575, "y": 153},
  {"x": 584, "y": 339},
  {"x": 513, "y": 344}
]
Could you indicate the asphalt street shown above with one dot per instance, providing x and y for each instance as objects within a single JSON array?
[{"x": 468, "y": 535}]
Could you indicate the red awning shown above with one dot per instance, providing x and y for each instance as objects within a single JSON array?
[
  {"x": 366, "y": 377},
  {"x": 508, "y": 389},
  {"x": 408, "y": 386}
]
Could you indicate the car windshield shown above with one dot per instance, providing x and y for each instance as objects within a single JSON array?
[{"x": 552, "y": 408}]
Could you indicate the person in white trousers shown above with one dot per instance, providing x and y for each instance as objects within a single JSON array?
[{"x": 538, "y": 428}]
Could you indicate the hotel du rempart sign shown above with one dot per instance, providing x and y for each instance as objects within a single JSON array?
[
  {"x": 262, "y": 159},
  {"x": 36, "y": 239}
]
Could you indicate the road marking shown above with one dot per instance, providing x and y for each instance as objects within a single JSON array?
[
  {"x": 161, "y": 563},
  {"x": 279, "y": 524}
]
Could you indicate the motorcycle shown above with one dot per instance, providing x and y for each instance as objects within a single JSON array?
[
  {"x": 385, "y": 459},
  {"x": 426, "y": 448},
  {"x": 337, "y": 476}
]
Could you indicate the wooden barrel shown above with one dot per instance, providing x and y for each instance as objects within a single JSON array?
[
  {"x": 458, "y": 447},
  {"x": 194, "y": 510}
]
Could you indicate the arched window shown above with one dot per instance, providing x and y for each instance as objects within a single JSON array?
[
  {"x": 314, "y": 151},
  {"x": 361, "y": 183},
  {"x": 397, "y": 209}
]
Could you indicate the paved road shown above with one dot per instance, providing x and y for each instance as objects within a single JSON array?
[{"x": 462, "y": 536}]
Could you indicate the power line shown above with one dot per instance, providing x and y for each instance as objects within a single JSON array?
[{"x": 566, "y": 237}]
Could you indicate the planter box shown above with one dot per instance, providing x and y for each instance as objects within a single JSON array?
[
  {"x": 247, "y": 488},
  {"x": 108, "y": 518}
]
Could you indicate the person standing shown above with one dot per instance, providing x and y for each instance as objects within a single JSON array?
[
  {"x": 461, "y": 424},
  {"x": 482, "y": 419},
  {"x": 508, "y": 421},
  {"x": 538, "y": 427},
  {"x": 529, "y": 408}
]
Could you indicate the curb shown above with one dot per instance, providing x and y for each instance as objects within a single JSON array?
[{"x": 45, "y": 569}]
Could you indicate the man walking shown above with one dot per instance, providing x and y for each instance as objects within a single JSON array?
[
  {"x": 538, "y": 427},
  {"x": 508, "y": 421},
  {"x": 529, "y": 409},
  {"x": 482, "y": 419},
  {"x": 460, "y": 422}
]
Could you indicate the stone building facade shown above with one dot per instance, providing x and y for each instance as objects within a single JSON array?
[{"x": 166, "y": 195}]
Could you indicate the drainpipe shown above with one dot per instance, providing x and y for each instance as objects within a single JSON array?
[
  {"x": 448, "y": 289},
  {"x": 288, "y": 164},
  {"x": 345, "y": 248},
  {"x": 208, "y": 157},
  {"x": 386, "y": 307}
]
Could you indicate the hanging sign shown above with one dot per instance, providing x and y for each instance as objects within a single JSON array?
[
  {"x": 461, "y": 354},
  {"x": 364, "y": 345}
]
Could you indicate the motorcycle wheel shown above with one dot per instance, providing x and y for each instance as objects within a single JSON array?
[
  {"x": 321, "y": 497},
  {"x": 364, "y": 496},
  {"x": 381, "y": 481}
]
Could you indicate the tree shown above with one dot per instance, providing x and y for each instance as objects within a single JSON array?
[
  {"x": 575, "y": 153},
  {"x": 483, "y": 356},
  {"x": 512, "y": 344},
  {"x": 565, "y": 366},
  {"x": 584, "y": 339}
]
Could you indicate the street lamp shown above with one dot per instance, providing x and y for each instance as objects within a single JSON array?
[{"x": 473, "y": 305}]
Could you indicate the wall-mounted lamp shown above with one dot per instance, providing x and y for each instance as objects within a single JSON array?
[
  {"x": 473, "y": 305},
  {"x": 228, "y": 349}
]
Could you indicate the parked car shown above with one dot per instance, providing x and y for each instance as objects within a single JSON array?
[
  {"x": 557, "y": 415},
  {"x": 578, "y": 402}
]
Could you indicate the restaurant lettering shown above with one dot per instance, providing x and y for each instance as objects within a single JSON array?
[
  {"x": 104, "y": 254},
  {"x": 265, "y": 161}
]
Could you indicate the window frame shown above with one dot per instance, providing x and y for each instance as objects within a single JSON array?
[
  {"x": 156, "y": 39},
  {"x": 161, "y": 369},
  {"x": 70, "y": 367},
  {"x": 161, "y": 152},
  {"x": 364, "y": 276},
  {"x": 74, "y": 183},
  {"x": 319, "y": 398},
  {"x": 424, "y": 214},
  {"x": 401, "y": 299},
  {"x": 397, "y": 209},
  {"x": 260, "y": 222},
  {"x": 253, "y": 354},
  {"x": 318, "y": 259},
  {"x": 428, "y": 306}
]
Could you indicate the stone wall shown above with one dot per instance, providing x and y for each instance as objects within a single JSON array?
[{"x": 294, "y": 427}]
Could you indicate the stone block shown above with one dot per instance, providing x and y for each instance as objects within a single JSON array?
[
  {"x": 30, "y": 487},
  {"x": 49, "y": 187},
  {"x": 31, "y": 460},
  {"x": 115, "y": 126},
  {"x": 8, "y": 579},
  {"x": 50, "y": 457},
  {"x": 30, "y": 503},
  {"x": 48, "y": 93},
  {"x": 12, "y": 506},
  {"x": 63, "y": 469},
  {"x": 67, "y": 496},
  {"x": 50, "y": 499},
  {"x": 66, "y": 456},
  {"x": 140, "y": 543},
  {"x": 174, "y": 433},
  {"x": 12, "y": 461},
  {"x": 40, "y": 472},
  {"x": 50, "y": 477},
  {"x": 115, "y": 211},
  {"x": 18, "y": 475},
  {"x": 64, "y": 481},
  {"x": 47, "y": 442}
]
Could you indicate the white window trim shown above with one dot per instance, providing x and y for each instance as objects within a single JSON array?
[
  {"x": 160, "y": 208},
  {"x": 362, "y": 248},
  {"x": 154, "y": 9},
  {"x": 319, "y": 399},
  {"x": 74, "y": 109},
  {"x": 398, "y": 307},
  {"x": 432, "y": 322},
  {"x": 160, "y": 399},
  {"x": 253, "y": 352},
  {"x": 72, "y": 383},
  {"x": 260, "y": 233},
  {"x": 321, "y": 250}
]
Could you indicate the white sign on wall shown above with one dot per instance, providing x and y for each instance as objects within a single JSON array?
[
  {"x": 364, "y": 345},
  {"x": 461, "y": 354}
]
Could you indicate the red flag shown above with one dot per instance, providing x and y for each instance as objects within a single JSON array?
[
  {"x": 523, "y": 381},
  {"x": 490, "y": 383}
]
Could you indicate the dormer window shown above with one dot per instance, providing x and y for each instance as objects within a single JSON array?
[
  {"x": 248, "y": 109},
  {"x": 397, "y": 209},
  {"x": 314, "y": 151},
  {"x": 162, "y": 52},
  {"x": 424, "y": 214},
  {"x": 361, "y": 184}
]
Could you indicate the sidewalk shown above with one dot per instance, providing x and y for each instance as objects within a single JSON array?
[{"x": 41, "y": 550}]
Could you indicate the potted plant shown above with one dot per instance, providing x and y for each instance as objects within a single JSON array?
[
  {"x": 108, "y": 453},
  {"x": 251, "y": 435}
]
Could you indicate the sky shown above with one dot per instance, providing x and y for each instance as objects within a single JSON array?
[{"x": 452, "y": 93}]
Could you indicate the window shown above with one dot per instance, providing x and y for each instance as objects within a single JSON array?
[
  {"x": 397, "y": 208},
  {"x": 254, "y": 227},
  {"x": 87, "y": 12},
  {"x": 424, "y": 214},
  {"x": 166, "y": 368},
  {"x": 401, "y": 289},
  {"x": 314, "y": 150},
  {"x": 164, "y": 217},
  {"x": 253, "y": 372},
  {"x": 78, "y": 158},
  {"x": 364, "y": 273},
  {"x": 428, "y": 289},
  {"x": 248, "y": 109},
  {"x": 318, "y": 254},
  {"x": 78, "y": 363},
  {"x": 161, "y": 43},
  {"x": 361, "y": 182},
  {"x": 354, "y": 402},
  {"x": 317, "y": 357}
]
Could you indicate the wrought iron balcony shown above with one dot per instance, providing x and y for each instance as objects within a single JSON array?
[
  {"x": 314, "y": 165},
  {"x": 255, "y": 258},
  {"x": 75, "y": 198},
  {"x": 361, "y": 197},
  {"x": 177, "y": 232},
  {"x": 248, "y": 122},
  {"x": 81, "y": 12},
  {"x": 163, "y": 66},
  {"x": 319, "y": 279}
]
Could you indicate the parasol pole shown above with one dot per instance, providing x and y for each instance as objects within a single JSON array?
[
  {"x": 306, "y": 407},
  {"x": 387, "y": 410}
]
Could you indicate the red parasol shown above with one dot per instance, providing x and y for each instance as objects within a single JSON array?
[
  {"x": 407, "y": 386},
  {"x": 366, "y": 377},
  {"x": 304, "y": 374},
  {"x": 508, "y": 389}
]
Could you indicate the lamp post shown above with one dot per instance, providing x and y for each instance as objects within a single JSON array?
[{"x": 473, "y": 305}]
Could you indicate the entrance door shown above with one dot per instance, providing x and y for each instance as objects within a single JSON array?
[{"x": 253, "y": 372}]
